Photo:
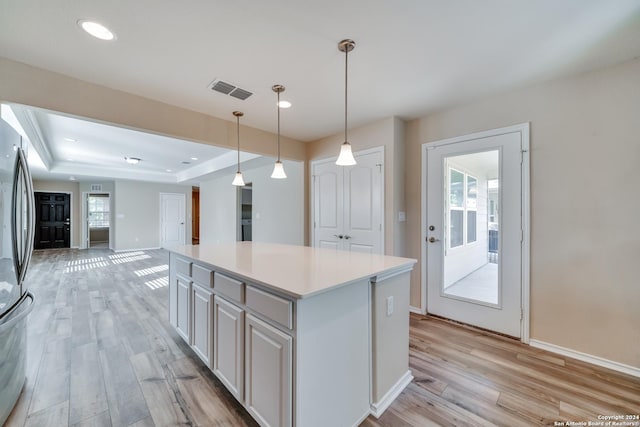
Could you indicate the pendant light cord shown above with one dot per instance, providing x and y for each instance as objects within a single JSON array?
[
  {"x": 238, "y": 133},
  {"x": 278, "y": 105},
  {"x": 346, "y": 66}
]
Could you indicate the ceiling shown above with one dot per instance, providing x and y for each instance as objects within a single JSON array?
[
  {"x": 412, "y": 57},
  {"x": 78, "y": 149}
]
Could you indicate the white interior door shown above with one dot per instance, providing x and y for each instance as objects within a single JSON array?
[
  {"x": 474, "y": 220},
  {"x": 363, "y": 194},
  {"x": 328, "y": 205},
  {"x": 348, "y": 204},
  {"x": 172, "y": 219}
]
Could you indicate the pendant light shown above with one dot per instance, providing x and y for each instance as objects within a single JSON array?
[
  {"x": 238, "y": 179},
  {"x": 278, "y": 168},
  {"x": 346, "y": 156}
]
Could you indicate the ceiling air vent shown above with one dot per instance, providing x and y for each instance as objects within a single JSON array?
[
  {"x": 229, "y": 89},
  {"x": 240, "y": 94}
]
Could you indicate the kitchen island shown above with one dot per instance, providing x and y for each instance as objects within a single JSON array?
[{"x": 300, "y": 336}]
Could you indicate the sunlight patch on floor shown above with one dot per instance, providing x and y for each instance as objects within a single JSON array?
[
  {"x": 151, "y": 270},
  {"x": 161, "y": 282}
]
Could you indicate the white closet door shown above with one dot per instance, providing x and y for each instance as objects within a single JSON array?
[
  {"x": 348, "y": 204},
  {"x": 328, "y": 205},
  {"x": 363, "y": 194}
]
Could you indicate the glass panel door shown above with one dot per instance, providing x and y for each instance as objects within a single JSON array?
[{"x": 470, "y": 272}]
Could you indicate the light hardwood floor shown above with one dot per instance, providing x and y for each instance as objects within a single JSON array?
[{"x": 101, "y": 353}]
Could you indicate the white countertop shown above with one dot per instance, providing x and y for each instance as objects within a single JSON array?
[{"x": 297, "y": 271}]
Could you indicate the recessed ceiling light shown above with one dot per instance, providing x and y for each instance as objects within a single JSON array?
[
  {"x": 72, "y": 178},
  {"x": 169, "y": 170},
  {"x": 284, "y": 104},
  {"x": 70, "y": 160},
  {"x": 132, "y": 160},
  {"x": 71, "y": 140},
  {"x": 194, "y": 158},
  {"x": 96, "y": 29}
]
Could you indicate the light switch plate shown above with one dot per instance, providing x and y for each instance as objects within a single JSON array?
[
  {"x": 402, "y": 216},
  {"x": 389, "y": 306}
]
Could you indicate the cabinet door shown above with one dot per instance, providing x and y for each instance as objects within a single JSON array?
[
  {"x": 268, "y": 373},
  {"x": 202, "y": 327},
  {"x": 183, "y": 314},
  {"x": 228, "y": 344}
]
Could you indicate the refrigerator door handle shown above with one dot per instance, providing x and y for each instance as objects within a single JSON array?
[
  {"x": 26, "y": 176},
  {"x": 14, "y": 217}
]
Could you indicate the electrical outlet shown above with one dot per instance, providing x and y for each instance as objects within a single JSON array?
[{"x": 389, "y": 306}]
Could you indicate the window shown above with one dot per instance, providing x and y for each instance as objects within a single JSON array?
[
  {"x": 472, "y": 208},
  {"x": 463, "y": 208},
  {"x": 456, "y": 208},
  {"x": 99, "y": 215}
]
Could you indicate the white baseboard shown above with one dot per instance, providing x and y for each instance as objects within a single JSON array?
[
  {"x": 417, "y": 310},
  {"x": 595, "y": 360},
  {"x": 378, "y": 408}
]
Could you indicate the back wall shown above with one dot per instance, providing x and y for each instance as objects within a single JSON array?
[{"x": 585, "y": 238}]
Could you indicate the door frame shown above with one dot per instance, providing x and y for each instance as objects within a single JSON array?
[
  {"x": 525, "y": 201},
  {"x": 160, "y": 222},
  {"x": 71, "y": 216},
  {"x": 312, "y": 229},
  {"x": 84, "y": 244}
]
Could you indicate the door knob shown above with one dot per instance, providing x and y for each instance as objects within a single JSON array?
[
  {"x": 433, "y": 239},
  {"x": 339, "y": 236},
  {"x": 347, "y": 237}
]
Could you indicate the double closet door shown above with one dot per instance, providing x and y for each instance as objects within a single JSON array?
[{"x": 348, "y": 204}]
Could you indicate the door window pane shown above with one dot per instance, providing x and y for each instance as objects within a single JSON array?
[{"x": 470, "y": 268}]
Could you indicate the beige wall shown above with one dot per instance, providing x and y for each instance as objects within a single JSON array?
[
  {"x": 387, "y": 133},
  {"x": 137, "y": 213},
  {"x": 277, "y": 211},
  {"x": 23, "y": 84},
  {"x": 66, "y": 187},
  {"x": 585, "y": 238}
]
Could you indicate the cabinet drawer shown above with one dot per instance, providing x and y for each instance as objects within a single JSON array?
[
  {"x": 183, "y": 267},
  {"x": 229, "y": 287},
  {"x": 202, "y": 276},
  {"x": 275, "y": 308}
]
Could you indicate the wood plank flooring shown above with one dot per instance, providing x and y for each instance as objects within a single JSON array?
[{"x": 102, "y": 353}]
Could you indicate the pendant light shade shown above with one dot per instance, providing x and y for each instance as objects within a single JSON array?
[
  {"x": 278, "y": 168},
  {"x": 238, "y": 180},
  {"x": 346, "y": 155},
  {"x": 278, "y": 171}
]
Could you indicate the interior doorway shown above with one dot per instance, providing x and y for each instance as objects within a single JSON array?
[
  {"x": 53, "y": 220},
  {"x": 245, "y": 213},
  {"x": 195, "y": 215},
  {"x": 98, "y": 210},
  {"x": 475, "y": 220}
]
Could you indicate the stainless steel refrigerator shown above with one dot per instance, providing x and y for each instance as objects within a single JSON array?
[{"x": 16, "y": 245}]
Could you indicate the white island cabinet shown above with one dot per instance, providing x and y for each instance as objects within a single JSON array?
[{"x": 301, "y": 336}]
